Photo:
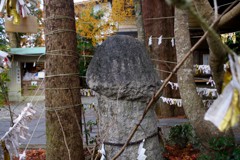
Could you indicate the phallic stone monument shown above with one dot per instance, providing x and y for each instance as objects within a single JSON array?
[{"x": 122, "y": 74}]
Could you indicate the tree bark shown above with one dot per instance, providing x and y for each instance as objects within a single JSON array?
[
  {"x": 193, "y": 106},
  {"x": 217, "y": 53},
  {"x": 13, "y": 40},
  {"x": 230, "y": 15},
  {"x": 62, "y": 72},
  {"x": 163, "y": 52},
  {"x": 139, "y": 20}
]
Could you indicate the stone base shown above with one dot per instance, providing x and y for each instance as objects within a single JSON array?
[{"x": 126, "y": 117}]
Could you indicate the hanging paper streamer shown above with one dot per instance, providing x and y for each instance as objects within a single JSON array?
[
  {"x": 22, "y": 156},
  {"x": 19, "y": 130},
  {"x": 224, "y": 113},
  {"x": 202, "y": 69},
  {"x": 141, "y": 151},
  {"x": 211, "y": 81},
  {"x": 172, "y": 101},
  {"x": 150, "y": 41},
  {"x": 89, "y": 105},
  {"x": 15, "y": 8},
  {"x": 88, "y": 92},
  {"x": 172, "y": 84},
  {"x": 94, "y": 107},
  {"x": 2, "y": 5},
  {"x": 178, "y": 102},
  {"x": 12, "y": 11},
  {"x": 23, "y": 8},
  {"x": 231, "y": 36},
  {"x": 172, "y": 42},
  {"x": 207, "y": 103},
  {"x": 102, "y": 151},
  {"x": 24, "y": 65},
  {"x": 4, "y": 61},
  {"x": 160, "y": 40},
  {"x": 207, "y": 92},
  {"x": 34, "y": 64}
]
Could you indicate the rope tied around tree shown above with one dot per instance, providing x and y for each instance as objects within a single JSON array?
[
  {"x": 61, "y": 108},
  {"x": 60, "y": 31},
  {"x": 131, "y": 143},
  {"x": 58, "y": 17},
  {"x": 60, "y": 75}
]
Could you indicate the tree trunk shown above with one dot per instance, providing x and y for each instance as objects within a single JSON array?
[
  {"x": 193, "y": 106},
  {"x": 217, "y": 53},
  {"x": 139, "y": 20},
  {"x": 62, "y": 72},
  {"x": 13, "y": 40},
  {"x": 230, "y": 15},
  {"x": 164, "y": 52}
]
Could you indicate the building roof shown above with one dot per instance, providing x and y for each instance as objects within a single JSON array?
[{"x": 28, "y": 51}]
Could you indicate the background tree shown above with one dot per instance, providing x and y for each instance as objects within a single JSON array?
[
  {"x": 193, "y": 105},
  {"x": 94, "y": 26},
  {"x": 62, "y": 71},
  {"x": 158, "y": 21},
  {"x": 217, "y": 53}
]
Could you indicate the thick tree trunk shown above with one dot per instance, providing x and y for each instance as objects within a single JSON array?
[
  {"x": 192, "y": 103},
  {"x": 62, "y": 72},
  {"x": 217, "y": 53},
  {"x": 164, "y": 52},
  {"x": 139, "y": 21}
]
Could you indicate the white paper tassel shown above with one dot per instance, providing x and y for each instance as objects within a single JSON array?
[
  {"x": 150, "y": 41},
  {"x": 160, "y": 40},
  {"x": 172, "y": 42},
  {"x": 211, "y": 81},
  {"x": 141, "y": 151},
  {"x": 22, "y": 156},
  {"x": 102, "y": 151},
  {"x": 218, "y": 110},
  {"x": 2, "y": 5},
  {"x": 17, "y": 132}
]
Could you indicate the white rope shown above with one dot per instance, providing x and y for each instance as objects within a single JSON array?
[{"x": 37, "y": 90}]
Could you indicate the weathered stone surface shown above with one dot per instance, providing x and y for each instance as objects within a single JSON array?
[
  {"x": 122, "y": 61},
  {"x": 122, "y": 73},
  {"x": 126, "y": 117}
]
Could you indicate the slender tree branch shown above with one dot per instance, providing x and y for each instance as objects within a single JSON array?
[
  {"x": 231, "y": 14},
  {"x": 6, "y": 97},
  {"x": 75, "y": 115},
  {"x": 215, "y": 9},
  {"x": 156, "y": 97},
  {"x": 214, "y": 35},
  {"x": 64, "y": 136},
  {"x": 139, "y": 21},
  {"x": 85, "y": 125}
]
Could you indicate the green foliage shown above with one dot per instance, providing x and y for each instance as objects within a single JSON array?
[
  {"x": 179, "y": 135},
  {"x": 87, "y": 131},
  {"x": 221, "y": 146},
  {"x": 234, "y": 46},
  {"x": 4, "y": 78},
  {"x": 86, "y": 46},
  {"x": 90, "y": 122}
]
